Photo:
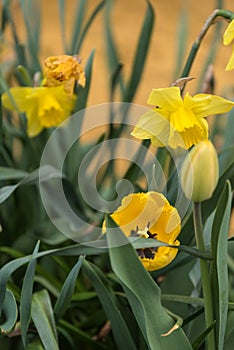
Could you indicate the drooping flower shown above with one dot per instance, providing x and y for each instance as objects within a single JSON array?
[
  {"x": 149, "y": 215},
  {"x": 65, "y": 70},
  {"x": 44, "y": 107},
  {"x": 177, "y": 121},
  {"x": 228, "y": 37},
  {"x": 199, "y": 162}
]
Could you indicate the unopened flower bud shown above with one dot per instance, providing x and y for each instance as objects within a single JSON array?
[{"x": 200, "y": 172}]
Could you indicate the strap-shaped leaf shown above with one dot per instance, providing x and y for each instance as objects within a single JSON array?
[
  {"x": 219, "y": 243},
  {"x": 26, "y": 296},
  {"x": 43, "y": 318},
  {"x": 142, "y": 293},
  {"x": 67, "y": 291},
  {"x": 141, "y": 53},
  {"x": 11, "y": 173},
  {"x": 10, "y": 313},
  {"x": 119, "y": 328},
  {"x": 44, "y": 173}
]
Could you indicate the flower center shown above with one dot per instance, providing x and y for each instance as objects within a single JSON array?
[{"x": 144, "y": 253}]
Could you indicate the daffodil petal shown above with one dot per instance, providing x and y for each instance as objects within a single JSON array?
[
  {"x": 152, "y": 125},
  {"x": 230, "y": 64},
  {"x": 18, "y": 94},
  {"x": 34, "y": 127},
  {"x": 228, "y": 35},
  {"x": 205, "y": 105},
  {"x": 166, "y": 98}
]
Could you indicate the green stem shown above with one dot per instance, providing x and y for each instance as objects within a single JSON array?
[
  {"x": 209, "y": 22},
  {"x": 204, "y": 275}
]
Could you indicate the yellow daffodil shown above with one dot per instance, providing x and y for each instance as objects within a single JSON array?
[
  {"x": 65, "y": 70},
  {"x": 200, "y": 161},
  {"x": 45, "y": 107},
  {"x": 149, "y": 215},
  {"x": 228, "y": 37},
  {"x": 177, "y": 121}
]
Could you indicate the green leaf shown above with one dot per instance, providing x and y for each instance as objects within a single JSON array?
[
  {"x": 6, "y": 272},
  {"x": 142, "y": 293},
  {"x": 228, "y": 137},
  {"x": 67, "y": 291},
  {"x": 200, "y": 340},
  {"x": 10, "y": 313},
  {"x": 141, "y": 53},
  {"x": 62, "y": 15},
  {"x": 219, "y": 244},
  {"x": 134, "y": 170},
  {"x": 93, "y": 15},
  {"x": 84, "y": 92},
  {"x": 119, "y": 328},
  {"x": 26, "y": 296},
  {"x": 78, "y": 22},
  {"x": 80, "y": 336},
  {"x": 43, "y": 318},
  {"x": 44, "y": 173},
  {"x": 31, "y": 15},
  {"x": 11, "y": 173}
]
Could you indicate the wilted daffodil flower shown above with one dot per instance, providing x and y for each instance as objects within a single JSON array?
[
  {"x": 149, "y": 215},
  {"x": 44, "y": 107},
  {"x": 200, "y": 172},
  {"x": 51, "y": 103},
  {"x": 65, "y": 70},
  {"x": 228, "y": 37},
  {"x": 177, "y": 121}
]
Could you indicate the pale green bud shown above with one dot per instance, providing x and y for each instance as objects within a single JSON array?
[{"x": 200, "y": 172}]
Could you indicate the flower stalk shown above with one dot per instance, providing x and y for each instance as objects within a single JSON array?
[
  {"x": 206, "y": 287},
  {"x": 228, "y": 15}
]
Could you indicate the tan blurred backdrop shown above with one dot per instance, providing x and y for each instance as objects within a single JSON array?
[{"x": 127, "y": 18}]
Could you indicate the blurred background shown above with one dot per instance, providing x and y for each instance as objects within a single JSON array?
[{"x": 177, "y": 24}]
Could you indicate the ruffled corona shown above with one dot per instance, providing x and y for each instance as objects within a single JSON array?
[
  {"x": 65, "y": 70},
  {"x": 149, "y": 215},
  {"x": 178, "y": 122}
]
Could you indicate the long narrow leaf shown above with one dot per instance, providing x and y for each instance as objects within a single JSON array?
[
  {"x": 143, "y": 294},
  {"x": 26, "y": 296},
  {"x": 84, "y": 92},
  {"x": 43, "y": 318},
  {"x": 93, "y": 15},
  {"x": 44, "y": 173},
  {"x": 119, "y": 328},
  {"x": 219, "y": 243},
  {"x": 141, "y": 53},
  {"x": 67, "y": 291},
  {"x": 10, "y": 313},
  {"x": 78, "y": 22}
]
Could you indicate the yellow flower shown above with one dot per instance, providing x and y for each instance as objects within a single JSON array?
[
  {"x": 200, "y": 161},
  {"x": 64, "y": 70},
  {"x": 228, "y": 37},
  {"x": 149, "y": 215},
  {"x": 44, "y": 106},
  {"x": 177, "y": 121}
]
